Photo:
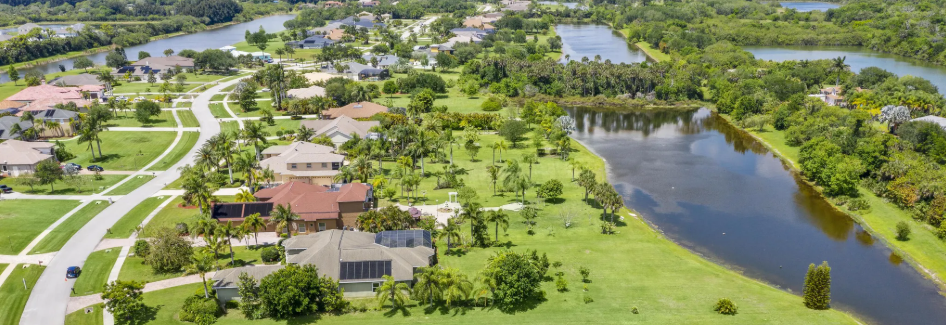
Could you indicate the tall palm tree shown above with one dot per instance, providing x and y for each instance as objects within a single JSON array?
[
  {"x": 450, "y": 231},
  {"x": 201, "y": 263},
  {"x": 395, "y": 292},
  {"x": 228, "y": 231},
  {"x": 206, "y": 156},
  {"x": 255, "y": 134},
  {"x": 457, "y": 286},
  {"x": 531, "y": 159},
  {"x": 502, "y": 145},
  {"x": 472, "y": 213},
  {"x": 214, "y": 243},
  {"x": 362, "y": 168},
  {"x": 428, "y": 286},
  {"x": 252, "y": 224},
  {"x": 283, "y": 217},
  {"x": 304, "y": 133},
  {"x": 245, "y": 196},
  {"x": 246, "y": 164},
  {"x": 575, "y": 164},
  {"x": 500, "y": 218},
  {"x": 839, "y": 66},
  {"x": 493, "y": 172}
]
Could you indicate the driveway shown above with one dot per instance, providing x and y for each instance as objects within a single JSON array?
[{"x": 50, "y": 296}]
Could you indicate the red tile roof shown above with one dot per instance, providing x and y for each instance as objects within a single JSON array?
[
  {"x": 313, "y": 202},
  {"x": 355, "y": 110},
  {"x": 46, "y": 92}
]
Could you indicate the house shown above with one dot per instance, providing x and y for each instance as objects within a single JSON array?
[
  {"x": 70, "y": 31},
  {"x": 303, "y": 162},
  {"x": 358, "y": 110},
  {"x": 445, "y": 48},
  {"x": 60, "y": 116},
  {"x": 319, "y": 208},
  {"x": 9, "y": 106},
  {"x": 359, "y": 22},
  {"x": 5, "y": 37},
  {"x": 7, "y": 127},
  {"x": 324, "y": 30},
  {"x": 312, "y": 42},
  {"x": 480, "y": 23},
  {"x": 85, "y": 79},
  {"x": 515, "y": 5},
  {"x": 336, "y": 34},
  {"x": 47, "y": 103},
  {"x": 359, "y": 260},
  {"x": 21, "y": 157},
  {"x": 256, "y": 55},
  {"x": 368, "y": 3},
  {"x": 340, "y": 130},
  {"x": 832, "y": 96},
  {"x": 384, "y": 61},
  {"x": 941, "y": 121},
  {"x": 47, "y": 93},
  {"x": 305, "y": 93},
  {"x": 373, "y": 74},
  {"x": 26, "y": 28},
  {"x": 158, "y": 64},
  {"x": 470, "y": 32},
  {"x": 318, "y": 76},
  {"x": 225, "y": 281},
  {"x": 332, "y": 4}
]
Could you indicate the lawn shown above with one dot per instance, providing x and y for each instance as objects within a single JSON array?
[
  {"x": 58, "y": 237},
  {"x": 272, "y": 45},
  {"x": 79, "y": 317},
  {"x": 453, "y": 98},
  {"x": 23, "y": 220},
  {"x": 132, "y": 184},
  {"x": 171, "y": 215},
  {"x": 12, "y": 294},
  {"x": 165, "y": 119},
  {"x": 95, "y": 272},
  {"x": 218, "y": 97},
  {"x": 144, "y": 87},
  {"x": 135, "y": 268},
  {"x": 188, "y": 120},
  {"x": 882, "y": 217},
  {"x": 229, "y": 126},
  {"x": 218, "y": 111},
  {"x": 282, "y": 125},
  {"x": 123, "y": 150},
  {"x": 64, "y": 188},
  {"x": 653, "y": 53},
  {"x": 127, "y": 224},
  {"x": 258, "y": 112},
  {"x": 188, "y": 140}
]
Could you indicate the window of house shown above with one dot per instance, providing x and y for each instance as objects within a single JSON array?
[
  {"x": 375, "y": 286},
  {"x": 293, "y": 166},
  {"x": 302, "y": 227},
  {"x": 308, "y": 165},
  {"x": 324, "y": 165},
  {"x": 321, "y": 226},
  {"x": 336, "y": 166},
  {"x": 5, "y": 167}
]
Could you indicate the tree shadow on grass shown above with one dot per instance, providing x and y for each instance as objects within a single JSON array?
[
  {"x": 394, "y": 311},
  {"x": 146, "y": 315},
  {"x": 525, "y": 306},
  {"x": 106, "y": 157},
  {"x": 302, "y": 320}
]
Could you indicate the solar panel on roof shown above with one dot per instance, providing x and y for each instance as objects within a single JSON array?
[{"x": 50, "y": 113}]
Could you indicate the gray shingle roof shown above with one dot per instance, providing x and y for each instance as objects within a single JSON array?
[
  {"x": 230, "y": 277},
  {"x": 328, "y": 249}
]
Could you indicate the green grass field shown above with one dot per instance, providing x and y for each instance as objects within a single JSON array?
[
  {"x": 272, "y": 45},
  {"x": 258, "y": 112},
  {"x": 229, "y": 126},
  {"x": 882, "y": 217},
  {"x": 135, "y": 269},
  {"x": 165, "y": 119},
  {"x": 188, "y": 120},
  {"x": 218, "y": 97},
  {"x": 123, "y": 150},
  {"x": 12, "y": 294},
  {"x": 144, "y": 87},
  {"x": 653, "y": 53},
  {"x": 64, "y": 188},
  {"x": 54, "y": 241},
  {"x": 188, "y": 140},
  {"x": 218, "y": 111},
  {"x": 23, "y": 220},
  {"x": 95, "y": 272},
  {"x": 79, "y": 317},
  {"x": 126, "y": 225},
  {"x": 130, "y": 185}
]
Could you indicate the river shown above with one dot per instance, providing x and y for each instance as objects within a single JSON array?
[
  {"x": 857, "y": 58},
  {"x": 210, "y": 39},
  {"x": 809, "y": 6},
  {"x": 589, "y": 40},
  {"x": 720, "y": 193}
]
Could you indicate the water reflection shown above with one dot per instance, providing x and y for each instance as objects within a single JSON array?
[
  {"x": 589, "y": 40},
  {"x": 809, "y": 6},
  {"x": 718, "y": 192}
]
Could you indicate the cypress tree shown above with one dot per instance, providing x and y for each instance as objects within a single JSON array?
[
  {"x": 817, "y": 290},
  {"x": 808, "y": 293}
]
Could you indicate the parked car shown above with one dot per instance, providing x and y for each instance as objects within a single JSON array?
[
  {"x": 95, "y": 168},
  {"x": 73, "y": 272},
  {"x": 73, "y": 165},
  {"x": 6, "y": 189}
]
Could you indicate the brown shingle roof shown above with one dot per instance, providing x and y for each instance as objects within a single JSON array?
[{"x": 355, "y": 110}]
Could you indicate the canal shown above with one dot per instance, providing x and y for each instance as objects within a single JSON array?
[
  {"x": 720, "y": 193},
  {"x": 200, "y": 41}
]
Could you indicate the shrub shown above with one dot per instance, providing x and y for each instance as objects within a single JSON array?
[
  {"x": 141, "y": 248},
  {"x": 941, "y": 231},
  {"x": 903, "y": 231},
  {"x": 232, "y": 304},
  {"x": 557, "y": 264},
  {"x": 635, "y": 311},
  {"x": 725, "y": 306},
  {"x": 858, "y": 204},
  {"x": 200, "y": 310},
  {"x": 817, "y": 289},
  {"x": 551, "y": 189},
  {"x": 182, "y": 229},
  {"x": 270, "y": 254},
  {"x": 210, "y": 290},
  {"x": 491, "y": 106},
  {"x": 588, "y": 300},
  {"x": 279, "y": 133},
  {"x": 561, "y": 284},
  {"x": 607, "y": 228},
  {"x": 585, "y": 272}
]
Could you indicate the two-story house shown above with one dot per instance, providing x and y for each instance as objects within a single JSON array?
[{"x": 303, "y": 162}]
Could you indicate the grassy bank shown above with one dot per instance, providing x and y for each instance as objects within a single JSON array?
[
  {"x": 60, "y": 235},
  {"x": 923, "y": 250},
  {"x": 652, "y": 53},
  {"x": 13, "y": 295}
]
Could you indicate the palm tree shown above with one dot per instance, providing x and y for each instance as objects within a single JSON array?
[
  {"x": 304, "y": 133},
  {"x": 450, "y": 231},
  {"x": 245, "y": 196},
  {"x": 254, "y": 133},
  {"x": 839, "y": 66},
  {"x": 456, "y": 286},
  {"x": 575, "y": 164},
  {"x": 531, "y": 159},
  {"x": 493, "y": 172},
  {"x": 500, "y": 218},
  {"x": 268, "y": 175},
  {"x": 246, "y": 164},
  {"x": 392, "y": 291},
  {"x": 501, "y": 145},
  {"x": 215, "y": 244},
  {"x": 206, "y": 156},
  {"x": 428, "y": 285},
  {"x": 283, "y": 217},
  {"x": 228, "y": 231},
  {"x": 201, "y": 263},
  {"x": 472, "y": 213},
  {"x": 252, "y": 224},
  {"x": 362, "y": 168}
]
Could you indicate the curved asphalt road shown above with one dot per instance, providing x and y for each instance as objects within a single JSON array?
[{"x": 47, "y": 303}]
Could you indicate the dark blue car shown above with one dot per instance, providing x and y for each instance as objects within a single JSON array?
[{"x": 73, "y": 272}]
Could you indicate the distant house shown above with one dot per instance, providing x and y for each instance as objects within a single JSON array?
[
  {"x": 373, "y": 74},
  {"x": 305, "y": 93},
  {"x": 335, "y": 34},
  {"x": 5, "y": 37},
  {"x": 85, "y": 79},
  {"x": 324, "y": 30},
  {"x": 515, "y": 5},
  {"x": 158, "y": 64},
  {"x": 359, "y": 22},
  {"x": 359, "y": 260},
  {"x": 832, "y": 96},
  {"x": 319, "y": 207},
  {"x": 384, "y": 61},
  {"x": 480, "y": 23},
  {"x": 358, "y": 110},
  {"x": 7, "y": 127},
  {"x": 470, "y": 31},
  {"x": 26, "y": 28},
  {"x": 332, "y": 4},
  {"x": 21, "y": 157},
  {"x": 318, "y": 76},
  {"x": 340, "y": 130},
  {"x": 303, "y": 162},
  {"x": 445, "y": 48},
  {"x": 256, "y": 55},
  {"x": 312, "y": 42},
  {"x": 368, "y": 3}
]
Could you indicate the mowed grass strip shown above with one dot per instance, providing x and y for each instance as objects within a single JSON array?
[
  {"x": 89, "y": 185},
  {"x": 188, "y": 120},
  {"x": 136, "y": 269},
  {"x": 126, "y": 225},
  {"x": 95, "y": 272},
  {"x": 165, "y": 119},
  {"x": 132, "y": 184},
  {"x": 188, "y": 140},
  {"x": 13, "y": 296},
  {"x": 22, "y": 220},
  {"x": 218, "y": 111},
  {"x": 123, "y": 150},
  {"x": 79, "y": 317},
  {"x": 54, "y": 241}
]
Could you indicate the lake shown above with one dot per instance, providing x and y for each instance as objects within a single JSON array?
[
  {"x": 857, "y": 58},
  {"x": 210, "y": 39},
  {"x": 720, "y": 193},
  {"x": 569, "y": 5},
  {"x": 588, "y": 40},
  {"x": 809, "y": 6}
]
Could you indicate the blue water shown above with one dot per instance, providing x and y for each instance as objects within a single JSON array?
[{"x": 809, "y": 6}]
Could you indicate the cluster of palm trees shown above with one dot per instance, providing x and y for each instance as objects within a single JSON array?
[
  {"x": 604, "y": 193},
  {"x": 434, "y": 284},
  {"x": 478, "y": 218}
]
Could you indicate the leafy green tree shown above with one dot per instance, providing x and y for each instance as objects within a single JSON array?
[
  {"x": 423, "y": 102},
  {"x": 517, "y": 278},
  {"x": 169, "y": 252},
  {"x": 817, "y": 289},
  {"x": 48, "y": 173},
  {"x": 903, "y": 231},
  {"x": 145, "y": 110},
  {"x": 551, "y": 189},
  {"x": 124, "y": 300},
  {"x": 298, "y": 290},
  {"x": 115, "y": 59},
  {"x": 446, "y": 61},
  {"x": 249, "y": 292},
  {"x": 529, "y": 213},
  {"x": 143, "y": 55},
  {"x": 513, "y": 131},
  {"x": 82, "y": 63},
  {"x": 247, "y": 96},
  {"x": 14, "y": 75}
]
